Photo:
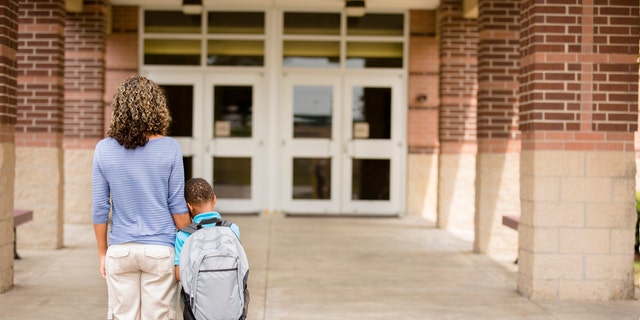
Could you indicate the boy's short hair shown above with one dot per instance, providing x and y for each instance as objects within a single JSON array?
[{"x": 198, "y": 191}]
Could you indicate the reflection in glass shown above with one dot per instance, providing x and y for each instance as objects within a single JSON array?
[
  {"x": 311, "y": 54},
  {"x": 235, "y": 53},
  {"x": 311, "y": 178},
  {"x": 311, "y": 23},
  {"x": 312, "y": 108},
  {"x": 171, "y": 22},
  {"x": 232, "y": 177},
  {"x": 373, "y": 106},
  {"x": 180, "y": 102},
  {"x": 374, "y": 55},
  {"x": 234, "y": 106},
  {"x": 370, "y": 179},
  {"x": 236, "y": 22},
  {"x": 375, "y": 24},
  {"x": 188, "y": 167},
  {"x": 171, "y": 52}
]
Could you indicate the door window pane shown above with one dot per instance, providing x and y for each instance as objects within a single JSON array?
[
  {"x": 233, "y": 111},
  {"x": 180, "y": 102},
  {"x": 311, "y": 178},
  {"x": 374, "y": 24},
  {"x": 308, "y": 23},
  {"x": 311, "y": 54},
  {"x": 232, "y": 177},
  {"x": 171, "y": 22},
  {"x": 171, "y": 52},
  {"x": 371, "y": 113},
  {"x": 370, "y": 179},
  {"x": 236, "y": 22},
  {"x": 312, "y": 109},
  {"x": 374, "y": 55},
  {"x": 187, "y": 162},
  {"x": 235, "y": 53}
]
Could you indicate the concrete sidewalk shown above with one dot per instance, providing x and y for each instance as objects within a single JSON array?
[{"x": 319, "y": 268}]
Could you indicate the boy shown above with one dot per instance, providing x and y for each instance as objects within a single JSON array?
[{"x": 201, "y": 201}]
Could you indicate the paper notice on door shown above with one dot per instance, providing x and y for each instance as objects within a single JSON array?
[
  {"x": 361, "y": 130},
  {"x": 223, "y": 128}
]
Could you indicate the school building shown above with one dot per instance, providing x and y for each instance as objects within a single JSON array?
[{"x": 456, "y": 111}]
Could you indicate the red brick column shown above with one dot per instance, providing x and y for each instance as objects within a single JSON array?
[
  {"x": 122, "y": 52},
  {"x": 39, "y": 126},
  {"x": 85, "y": 47},
  {"x": 8, "y": 87},
  {"x": 457, "y": 117},
  {"x": 578, "y": 115},
  {"x": 498, "y": 165},
  {"x": 422, "y": 175}
]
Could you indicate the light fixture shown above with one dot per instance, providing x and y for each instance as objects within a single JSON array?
[
  {"x": 192, "y": 6},
  {"x": 355, "y": 8}
]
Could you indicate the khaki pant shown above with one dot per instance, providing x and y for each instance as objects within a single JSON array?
[{"x": 141, "y": 282}]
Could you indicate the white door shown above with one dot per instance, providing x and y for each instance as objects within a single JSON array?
[
  {"x": 374, "y": 145},
  {"x": 310, "y": 140},
  {"x": 234, "y": 127},
  {"x": 184, "y": 97},
  {"x": 342, "y": 144},
  {"x": 216, "y": 119}
]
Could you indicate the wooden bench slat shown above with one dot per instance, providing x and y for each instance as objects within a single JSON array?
[
  {"x": 511, "y": 221},
  {"x": 21, "y": 216}
]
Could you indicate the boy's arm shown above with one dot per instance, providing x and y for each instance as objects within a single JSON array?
[{"x": 178, "y": 249}]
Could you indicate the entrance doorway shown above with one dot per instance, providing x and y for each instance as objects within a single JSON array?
[
  {"x": 342, "y": 144},
  {"x": 217, "y": 120}
]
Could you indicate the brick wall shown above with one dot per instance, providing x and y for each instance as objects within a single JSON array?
[
  {"x": 423, "y": 81},
  {"x": 458, "y": 78},
  {"x": 122, "y": 52},
  {"x": 498, "y": 70},
  {"x": 579, "y": 78},
  {"x": 8, "y": 86},
  {"x": 40, "y": 73},
  {"x": 85, "y": 46}
]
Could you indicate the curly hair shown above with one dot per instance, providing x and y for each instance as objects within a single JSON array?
[
  {"x": 139, "y": 110},
  {"x": 198, "y": 191}
]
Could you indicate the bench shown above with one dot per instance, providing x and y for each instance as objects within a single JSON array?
[
  {"x": 511, "y": 221},
  {"x": 19, "y": 217}
]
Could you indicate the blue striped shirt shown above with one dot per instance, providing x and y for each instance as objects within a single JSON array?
[{"x": 145, "y": 186}]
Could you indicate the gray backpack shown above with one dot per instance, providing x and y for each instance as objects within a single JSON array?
[{"x": 213, "y": 271}]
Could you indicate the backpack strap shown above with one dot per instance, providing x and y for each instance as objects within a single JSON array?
[{"x": 198, "y": 225}]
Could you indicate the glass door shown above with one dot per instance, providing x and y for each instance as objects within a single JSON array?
[
  {"x": 374, "y": 135},
  {"x": 183, "y": 93},
  {"x": 234, "y": 127},
  {"x": 310, "y": 136},
  {"x": 342, "y": 140}
]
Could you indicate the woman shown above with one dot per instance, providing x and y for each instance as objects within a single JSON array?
[{"x": 138, "y": 176}]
